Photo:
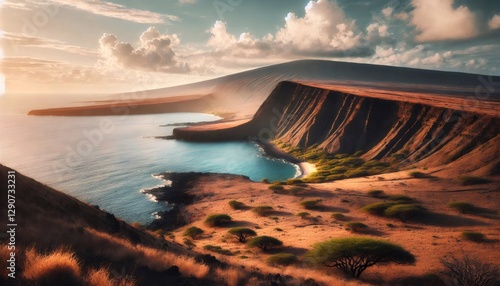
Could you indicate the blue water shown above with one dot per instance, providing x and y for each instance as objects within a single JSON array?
[{"x": 108, "y": 160}]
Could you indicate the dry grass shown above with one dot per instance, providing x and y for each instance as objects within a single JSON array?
[
  {"x": 230, "y": 277},
  {"x": 60, "y": 267},
  {"x": 102, "y": 277}
]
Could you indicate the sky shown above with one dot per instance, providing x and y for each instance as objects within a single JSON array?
[{"x": 106, "y": 46}]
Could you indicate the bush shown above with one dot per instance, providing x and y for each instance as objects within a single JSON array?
[
  {"x": 263, "y": 210},
  {"x": 377, "y": 208},
  {"x": 265, "y": 181},
  {"x": 193, "y": 232},
  {"x": 405, "y": 211},
  {"x": 265, "y": 242},
  {"x": 419, "y": 175},
  {"x": 473, "y": 236},
  {"x": 242, "y": 233},
  {"x": 57, "y": 268},
  {"x": 400, "y": 199},
  {"x": 462, "y": 207},
  {"x": 470, "y": 180},
  {"x": 217, "y": 249},
  {"x": 294, "y": 181},
  {"x": 284, "y": 259},
  {"x": 469, "y": 271},
  {"x": 376, "y": 193},
  {"x": 311, "y": 204},
  {"x": 235, "y": 205},
  {"x": 303, "y": 214},
  {"x": 295, "y": 190},
  {"x": 217, "y": 219},
  {"x": 338, "y": 216},
  {"x": 276, "y": 187},
  {"x": 356, "y": 226},
  {"x": 353, "y": 255}
]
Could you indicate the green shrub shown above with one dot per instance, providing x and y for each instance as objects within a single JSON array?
[
  {"x": 405, "y": 211},
  {"x": 218, "y": 249},
  {"x": 338, "y": 216},
  {"x": 470, "y": 180},
  {"x": 265, "y": 242},
  {"x": 356, "y": 226},
  {"x": 263, "y": 210},
  {"x": 473, "y": 236},
  {"x": 235, "y": 205},
  {"x": 311, "y": 204},
  {"x": 294, "y": 181},
  {"x": 276, "y": 187},
  {"x": 284, "y": 259},
  {"x": 193, "y": 232},
  {"x": 462, "y": 207},
  {"x": 376, "y": 193},
  {"x": 217, "y": 219},
  {"x": 296, "y": 190},
  {"x": 242, "y": 233},
  {"x": 353, "y": 255},
  {"x": 377, "y": 208},
  {"x": 400, "y": 199},
  {"x": 303, "y": 214},
  {"x": 419, "y": 175}
]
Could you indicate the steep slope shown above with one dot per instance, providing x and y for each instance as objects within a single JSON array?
[
  {"x": 426, "y": 128},
  {"x": 244, "y": 92}
]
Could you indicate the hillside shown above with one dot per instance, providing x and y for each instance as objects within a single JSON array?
[{"x": 243, "y": 93}]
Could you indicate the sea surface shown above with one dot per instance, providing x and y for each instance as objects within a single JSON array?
[{"x": 108, "y": 160}]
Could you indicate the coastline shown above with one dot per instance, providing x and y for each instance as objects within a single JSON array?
[{"x": 272, "y": 150}]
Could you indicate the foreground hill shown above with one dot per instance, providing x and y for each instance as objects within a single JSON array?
[{"x": 244, "y": 92}]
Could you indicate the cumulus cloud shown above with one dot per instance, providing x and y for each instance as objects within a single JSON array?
[
  {"x": 494, "y": 23},
  {"x": 154, "y": 53},
  {"x": 439, "y": 21}
]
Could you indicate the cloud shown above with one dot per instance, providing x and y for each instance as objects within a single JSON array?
[
  {"x": 184, "y": 2},
  {"x": 387, "y": 12},
  {"x": 439, "y": 21},
  {"x": 154, "y": 53},
  {"x": 109, "y": 9},
  {"x": 494, "y": 23},
  {"x": 13, "y": 41}
]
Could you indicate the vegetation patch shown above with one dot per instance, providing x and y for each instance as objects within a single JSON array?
[
  {"x": 236, "y": 205},
  {"x": 470, "y": 180},
  {"x": 377, "y": 209},
  {"x": 405, "y": 212},
  {"x": 376, "y": 193},
  {"x": 303, "y": 215},
  {"x": 193, "y": 232},
  {"x": 263, "y": 210},
  {"x": 462, "y": 207},
  {"x": 473, "y": 236},
  {"x": 265, "y": 242},
  {"x": 311, "y": 204},
  {"x": 338, "y": 216},
  {"x": 356, "y": 226},
  {"x": 217, "y": 249},
  {"x": 419, "y": 175},
  {"x": 283, "y": 259},
  {"x": 242, "y": 233}
]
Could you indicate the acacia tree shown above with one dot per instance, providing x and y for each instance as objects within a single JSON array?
[
  {"x": 242, "y": 233},
  {"x": 469, "y": 271},
  {"x": 265, "y": 242},
  {"x": 353, "y": 255}
]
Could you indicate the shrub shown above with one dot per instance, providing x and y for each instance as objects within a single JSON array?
[
  {"x": 473, "y": 236},
  {"x": 376, "y": 193},
  {"x": 242, "y": 233},
  {"x": 338, "y": 216},
  {"x": 217, "y": 219},
  {"x": 276, "y": 187},
  {"x": 303, "y": 214},
  {"x": 377, "y": 208},
  {"x": 405, "y": 211},
  {"x": 311, "y": 204},
  {"x": 263, "y": 210},
  {"x": 264, "y": 242},
  {"x": 235, "y": 205},
  {"x": 294, "y": 181},
  {"x": 470, "y": 180},
  {"x": 193, "y": 232},
  {"x": 469, "y": 271},
  {"x": 295, "y": 190},
  {"x": 419, "y": 175},
  {"x": 462, "y": 207},
  {"x": 217, "y": 249},
  {"x": 356, "y": 226},
  {"x": 57, "y": 268},
  {"x": 265, "y": 181},
  {"x": 353, "y": 255},
  {"x": 284, "y": 259},
  {"x": 400, "y": 199}
]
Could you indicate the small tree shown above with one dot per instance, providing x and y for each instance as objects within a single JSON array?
[
  {"x": 311, "y": 204},
  {"x": 264, "y": 242},
  {"x": 236, "y": 205},
  {"x": 263, "y": 210},
  {"x": 469, "y": 271},
  {"x": 193, "y": 232},
  {"x": 217, "y": 219},
  {"x": 405, "y": 212},
  {"x": 354, "y": 254},
  {"x": 242, "y": 233}
]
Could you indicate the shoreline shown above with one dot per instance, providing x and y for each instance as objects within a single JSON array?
[{"x": 272, "y": 150}]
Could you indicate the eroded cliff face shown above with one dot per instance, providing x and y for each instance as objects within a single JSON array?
[{"x": 339, "y": 122}]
